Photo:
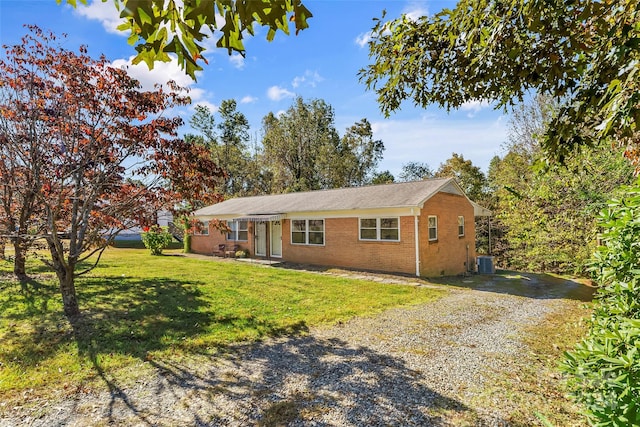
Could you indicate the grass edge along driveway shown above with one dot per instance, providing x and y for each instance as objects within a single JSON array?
[{"x": 137, "y": 308}]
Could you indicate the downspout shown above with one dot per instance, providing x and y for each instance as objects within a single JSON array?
[
  {"x": 468, "y": 265},
  {"x": 417, "y": 245}
]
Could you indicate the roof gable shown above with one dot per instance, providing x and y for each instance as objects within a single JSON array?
[{"x": 396, "y": 195}]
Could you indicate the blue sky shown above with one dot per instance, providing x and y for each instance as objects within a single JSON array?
[{"x": 321, "y": 62}]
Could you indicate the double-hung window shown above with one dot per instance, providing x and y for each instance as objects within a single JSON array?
[
  {"x": 239, "y": 230},
  {"x": 433, "y": 227},
  {"x": 380, "y": 229},
  {"x": 307, "y": 231},
  {"x": 460, "y": 226}
]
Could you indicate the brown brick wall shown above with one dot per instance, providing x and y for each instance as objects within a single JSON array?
[
  {"x": 208, "y": 245},
  {"x": 343, "y": 248},
  {"x": 448, "y": 255}
]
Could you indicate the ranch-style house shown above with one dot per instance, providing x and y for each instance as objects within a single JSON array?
[{"x": 423, "y": 228}]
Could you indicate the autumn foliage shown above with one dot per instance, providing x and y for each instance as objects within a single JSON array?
[{"x": 87, "y": 153}]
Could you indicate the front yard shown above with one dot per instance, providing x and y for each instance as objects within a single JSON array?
[
  {"x": 138, "y": 308},
  {"x": 167, "y": 341}
]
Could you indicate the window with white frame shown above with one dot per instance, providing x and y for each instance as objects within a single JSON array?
[
  {"x": 460, "y": 226},
  {"x": 380, "y": 229},
  {"x": 201, "y": 229},
  {"x": 307, "y": 231},
  {"x": 433, "y": 227},
  {"x": 239, "y": 230}
]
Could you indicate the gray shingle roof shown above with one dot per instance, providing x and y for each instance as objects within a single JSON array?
[{"x": 400, "y": 195}]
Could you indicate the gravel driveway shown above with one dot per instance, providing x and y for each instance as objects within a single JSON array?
[{"x": 416, "y": 366}]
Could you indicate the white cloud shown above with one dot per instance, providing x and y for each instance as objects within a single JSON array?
[
  {"x": 211, "y": 106},
  {"x": 162, "y": 72},
  {"x": 415, "y": 10},
  {"x": 277, "y": 93},
  {"x": 248, "y": 99},
  {"x": 474, "y": 106},
  {"x": 237, "y": 61},
  {"x": 363, "y": 39},
  {"x": 310, "y": 78},
  {"x": 105, "y": 12},
  {"x": 433, "y": 140}
]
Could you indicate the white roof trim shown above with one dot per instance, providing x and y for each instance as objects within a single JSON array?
[{"x": 260, "y": 217}]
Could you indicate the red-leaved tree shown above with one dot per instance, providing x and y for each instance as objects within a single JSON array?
[{"x": 95, "y": 154}]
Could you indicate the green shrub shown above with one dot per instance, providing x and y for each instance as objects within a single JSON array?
[
  {"x": 156, "y": 239},
  {"x": 605, "y": 366}
]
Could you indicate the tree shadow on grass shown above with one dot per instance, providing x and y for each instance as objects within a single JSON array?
[
  {"x": 299, "y": 380},
  {"x": 121, "y": 318}
]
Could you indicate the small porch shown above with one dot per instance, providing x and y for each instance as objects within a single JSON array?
[{"x": 264, "y": 235}]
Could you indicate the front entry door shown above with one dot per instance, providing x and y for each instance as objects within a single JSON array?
[
  {"x": 276, "y": 239},
  {"x": 261, "y": 238}
]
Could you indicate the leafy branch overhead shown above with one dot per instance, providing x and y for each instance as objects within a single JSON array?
[
  {"x": 160, "y": 27},
  {"x": 584, "y": 53}
]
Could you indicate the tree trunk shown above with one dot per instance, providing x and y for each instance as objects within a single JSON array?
[
  {"x": 20, "y": 259},
  {"x": 68, "y": 291},
  {"x": 2, "y": 249},
  {"x": 66, "y": 278}
]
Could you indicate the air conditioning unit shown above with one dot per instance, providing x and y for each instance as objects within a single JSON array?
[{"x": 485, "y": 265}]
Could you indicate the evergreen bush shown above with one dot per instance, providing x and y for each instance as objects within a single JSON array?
[{"x": 605, "y": 367}]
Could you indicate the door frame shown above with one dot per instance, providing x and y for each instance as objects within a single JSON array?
[
  {"x": 255, "y": 244},
  {"x": 273, "y": 238}
]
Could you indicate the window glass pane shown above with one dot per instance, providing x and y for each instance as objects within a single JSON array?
[
  {"x": 316, "y": 238},
  {"x": 432, "y": 234},
  {"x": 388, "y": 222},
  {"x": 316, "y": 225},
  {"x": 389, "y": 234},
  {"x": 243, "y": 235},
  {"x": 368, "y": 234},
  {"x": 367, "y": 223},
  {"x": 432, "y": 221},
  {"x": 243, "y": 225},
  {"x": 205, "y": 228},
  {"x": 298, "y": 237},
  {"x": 299, "y": 225}
]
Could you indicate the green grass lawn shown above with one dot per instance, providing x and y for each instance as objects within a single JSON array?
[{"x": 139, "y": 308}]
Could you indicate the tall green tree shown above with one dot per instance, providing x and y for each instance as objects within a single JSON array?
[
  {"x": 384, "y": 177},
  {"x": 586, "y": 53},
  {"x": 546, "y": 218},
  {"x": 228, "y": 143},
  {"x": 299, "y": 143},
  {"x": 160, "y": 27},
  {"x": 415, "y": 171},
  {"x": 356, "y": 157},
  {"x": 303, "y": 150},
  {"x": 470, "y": 177}
]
